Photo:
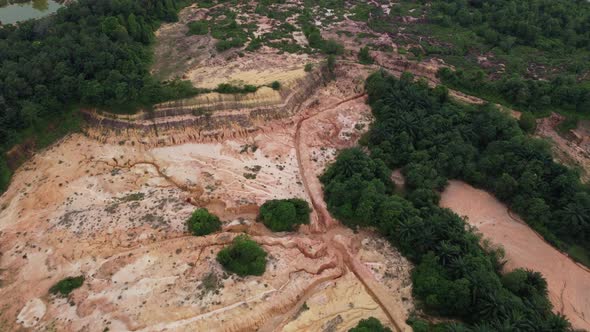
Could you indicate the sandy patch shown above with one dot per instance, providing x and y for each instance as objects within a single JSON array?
[{"x": 31, "y": 313}]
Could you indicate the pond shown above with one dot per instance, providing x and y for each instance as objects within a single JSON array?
[{"x": 12, "y": 11}]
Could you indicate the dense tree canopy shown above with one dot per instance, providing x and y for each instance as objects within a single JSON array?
[
  {"x": 533, "y": 55},
  {"x": 282, "y": 215},
  {"x": 91, "y": 53},
  {"x": 538, "y": 23},
  {"x": 433, "y": 139}
]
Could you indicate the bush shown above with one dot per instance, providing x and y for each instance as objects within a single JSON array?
[
  {"x": 67, "y": 285},
  {"x": 331, "y": 46},
  {"x": 527, "y": 122},
  {"x": 198, "y": 28},
  {"x": 370, "y": 324},
  {"x": 230, "y": 89},
  {"x": 285, "y": 214},
  {"x": 365, "y": 57},
  {"x": 276, "y": 85},
  {"x": 308, "y": 67},
  {"x": 226, "y": 44},
  {"x": 202, "y": 223},
  {"x": 243, "y": 257}
]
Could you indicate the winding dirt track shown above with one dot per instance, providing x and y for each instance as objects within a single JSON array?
[
  {"x": 323, "y": 218},
  {"x": 330, "y": 229}
]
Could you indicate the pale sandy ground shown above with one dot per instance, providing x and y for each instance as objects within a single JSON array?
[{"x": 569, "y": 284}]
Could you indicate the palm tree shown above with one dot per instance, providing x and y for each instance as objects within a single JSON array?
[
  {"x": 536, "y": 280},
  {"x": 447, "y": 252},
  {"x": 576, "y": 215},
  {"x": 557, "y": 323},
  {"x": 490, "y": 306}
]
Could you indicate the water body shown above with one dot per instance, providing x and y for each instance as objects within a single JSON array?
[{"x": 12, "y": 11}]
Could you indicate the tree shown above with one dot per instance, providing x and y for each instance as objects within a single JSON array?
[
  {"x": 202, "y": 223},
  {"x": 285, "y": 214},
  {"x": 365, "y": 57},
  {"x": 455, "y": 274},
  {"x": 243, "y": 257},
  {"x": 275, "y": 85}
]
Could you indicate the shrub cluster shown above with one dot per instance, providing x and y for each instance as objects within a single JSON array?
[
  {"x": 65, "y": 286},
  {"x": 202, "y": 222},
  {"x": 282, "y": 215},
  {"x": 243, "y": 257}
]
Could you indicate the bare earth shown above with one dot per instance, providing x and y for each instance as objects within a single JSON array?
[
  {"x": 569, "y": 283},
  {"x": 115, "y": 213}
]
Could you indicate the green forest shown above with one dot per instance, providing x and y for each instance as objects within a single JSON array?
[
  {"x": 90, "y": 54},
  {"x": 433, "y": 139}
]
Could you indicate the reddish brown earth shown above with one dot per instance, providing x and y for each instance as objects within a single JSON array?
[{"x": 569, "y": 283}]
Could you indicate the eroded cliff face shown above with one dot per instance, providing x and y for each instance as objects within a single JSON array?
[{"x": 211, "y": 116}]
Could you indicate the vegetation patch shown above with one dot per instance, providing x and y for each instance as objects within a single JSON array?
[
  {"x": 65, "y": 286},
  {"x": 370, "y": 324},
  {"x": 365, "y": 56},
  {"x": 211, "y": 283},
  {"x": 535, "y": 58},
  {"x": 198, "y": 28},
  {"x": 570, "y": 123},
  {"x": 527, "y": 122},
  {"x": 243, "y": 257},
  {"x": 201, "y": 222},
  {"x": 132, "y": 197},
  {"x": 284, "y": 215}
]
